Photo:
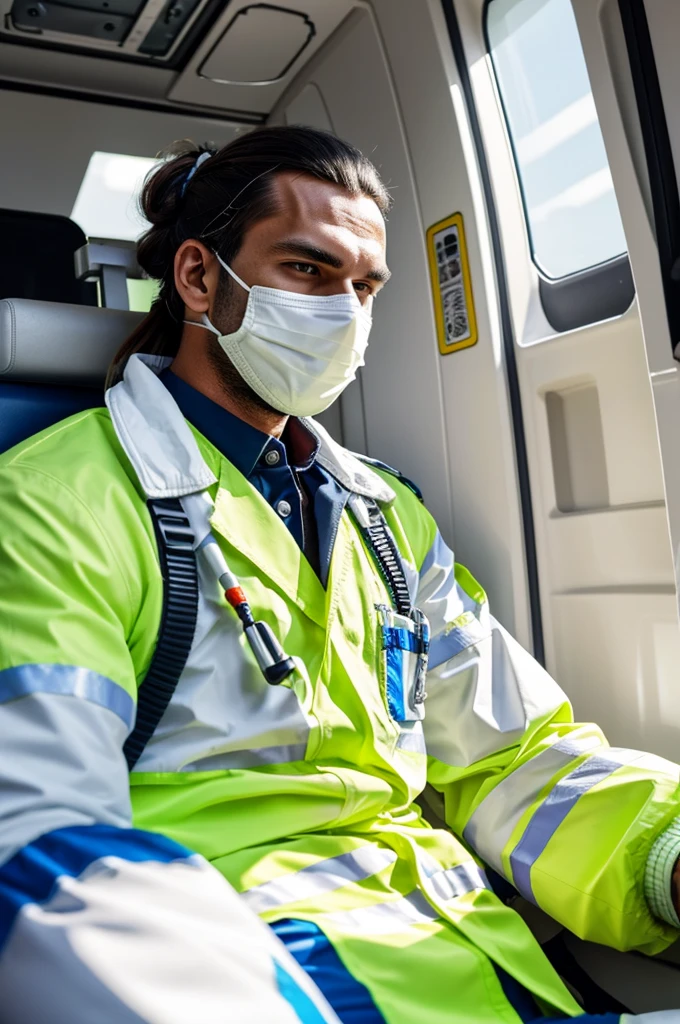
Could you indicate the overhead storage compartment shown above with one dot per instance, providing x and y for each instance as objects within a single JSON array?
[
  {"x": 254, "y": 51},
  {"x": 258, "y": 46},
  {"x": 236, "y": 57},
  {"x": 149, "y": 30}
]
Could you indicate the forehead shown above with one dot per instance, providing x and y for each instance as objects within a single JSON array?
[{"x": 327, "y": 214}]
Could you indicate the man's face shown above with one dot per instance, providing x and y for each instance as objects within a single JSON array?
[{"x": 320, "y": 241}]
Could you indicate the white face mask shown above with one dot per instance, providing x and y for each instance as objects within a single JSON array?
[{"x": 297, "y": 352}]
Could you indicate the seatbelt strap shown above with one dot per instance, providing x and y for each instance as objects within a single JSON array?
[
  {"x": 178, "y": 621},
  {"x": 382, "y": 545}
]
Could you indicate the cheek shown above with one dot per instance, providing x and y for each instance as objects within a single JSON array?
[{"x": 229, "y": 305}]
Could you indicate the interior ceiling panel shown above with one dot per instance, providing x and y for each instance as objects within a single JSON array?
[
  {"x": 258, "y": 46},
  {"x": 254, "y": 51},
  {"x": 181, "y": 53}
]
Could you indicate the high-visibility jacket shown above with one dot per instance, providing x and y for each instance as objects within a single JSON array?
[{"x": 303, "y": 795}]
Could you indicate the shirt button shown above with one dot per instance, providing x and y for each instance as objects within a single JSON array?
[
  {"x": 284, "y": 509},
  {"x": 272, "y": 457}
]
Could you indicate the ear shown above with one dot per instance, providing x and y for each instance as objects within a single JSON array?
[{"x": 196, "y": 275}]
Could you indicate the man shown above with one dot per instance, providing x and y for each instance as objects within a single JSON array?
[{"x": 292, "y": 752}]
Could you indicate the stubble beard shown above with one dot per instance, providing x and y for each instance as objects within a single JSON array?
[{"x": 228, "y": 315}]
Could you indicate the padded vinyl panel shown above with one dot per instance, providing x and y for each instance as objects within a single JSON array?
[
  {"x": 58, "y": 343},
  {"x": 53, "y": 362}
]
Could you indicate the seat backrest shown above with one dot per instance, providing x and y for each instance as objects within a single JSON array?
[
  {"x": 37, "y": 258},
  {"x": 53, "y": 362}
]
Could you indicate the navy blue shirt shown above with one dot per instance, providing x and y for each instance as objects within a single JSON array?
[{"x": 285, "y": 472}]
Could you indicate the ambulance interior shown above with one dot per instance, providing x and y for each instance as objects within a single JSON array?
[{"x": 521, "y": 366}]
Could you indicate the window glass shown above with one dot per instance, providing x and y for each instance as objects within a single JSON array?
[
  {"x": 106, "y": 207},
  {"x": 571, "y": 207},
  {"x": 106, "y": 204}
]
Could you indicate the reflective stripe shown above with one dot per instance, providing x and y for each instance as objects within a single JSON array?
[
  {"x": 69, "y": 681},
  {"x": 458, "y": 881},
  {"x": 451, "y": 586},
  {"x": 382, "y": 918},
  {"x": 550, "y": 814},
  {"x": 322, "y": 877},
  {"x": 656, "y": 1017},
  {"x": 448, "y": 883},
  {"x": 438, "y": 567},
  {"x": 412, "y": 737},
  {"x": 448, "y": 644},
  {"x": 489, "y": 829},
  {"x": 62, "y": 764},
  {"x": 439, "y": 595}
]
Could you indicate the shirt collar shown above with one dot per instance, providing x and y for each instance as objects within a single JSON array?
[
  {"x": 302, "y": 446},
  {"x": 165, "y": 455},
  {"x": 237, "y": 440}
]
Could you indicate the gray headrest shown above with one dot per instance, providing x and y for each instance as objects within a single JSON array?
[{"x": 56, "y": 343}]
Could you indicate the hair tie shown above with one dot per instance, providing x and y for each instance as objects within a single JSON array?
[{"x": 201, "y": 160}]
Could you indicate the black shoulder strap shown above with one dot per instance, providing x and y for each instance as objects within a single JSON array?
[
  {"x": 381, "y": 543},
  {"x": 178, "y": 621}
]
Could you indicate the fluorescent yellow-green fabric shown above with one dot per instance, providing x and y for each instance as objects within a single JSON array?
[{"x": 80, "y": 584}]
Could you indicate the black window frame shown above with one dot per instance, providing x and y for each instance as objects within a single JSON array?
[{"x": 659, "y": 157}]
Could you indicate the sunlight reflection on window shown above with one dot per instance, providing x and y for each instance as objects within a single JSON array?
[
  {"x": 106, "y": 205},
  {"x": 572, "y": 212}
]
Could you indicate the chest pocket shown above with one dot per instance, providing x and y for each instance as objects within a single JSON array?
[{"x": 405, "y": 641}]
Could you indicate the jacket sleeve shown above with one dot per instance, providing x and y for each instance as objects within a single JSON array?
[
  {"x": 580, "y": 828},
  {"x": 99, "y": 921}
]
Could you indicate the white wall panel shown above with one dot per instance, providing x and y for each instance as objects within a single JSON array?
[{"x": 47, "y": 142}]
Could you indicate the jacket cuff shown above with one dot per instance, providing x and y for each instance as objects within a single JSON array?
[{"x": 659, "y": 874}]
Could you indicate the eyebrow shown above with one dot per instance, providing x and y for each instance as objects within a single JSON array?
[{"x": 298, "y": 247}]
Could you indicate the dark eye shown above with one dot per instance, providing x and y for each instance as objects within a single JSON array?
[
  {"x": 361, "y": 286},
  {"x": 305, "y": 268}
]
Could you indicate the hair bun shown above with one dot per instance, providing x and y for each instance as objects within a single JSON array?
[
  {"x": 160, "y": 193},
  {"x": 160, "y": 201}
]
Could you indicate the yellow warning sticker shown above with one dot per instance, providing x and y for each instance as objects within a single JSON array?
[{"x": 454, "y": 308}]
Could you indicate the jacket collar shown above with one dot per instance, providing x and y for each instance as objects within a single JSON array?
[
  {"x": 347, "y": 468},
  {"x": 165, "y": 455}
]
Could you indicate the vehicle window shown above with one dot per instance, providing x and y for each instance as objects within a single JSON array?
[
  {"x": 571, "y": 208},
  {"x": 106, "y": 207}
]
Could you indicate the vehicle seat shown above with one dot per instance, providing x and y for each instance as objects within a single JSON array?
[
  {"x": 37, "y": 259},
  {"x": 53, "y": 362}
]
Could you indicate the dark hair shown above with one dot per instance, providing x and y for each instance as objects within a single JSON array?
[{"x": 216, "y": 201}]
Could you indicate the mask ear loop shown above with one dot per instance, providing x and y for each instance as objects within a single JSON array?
[
  {"x": 205, "y": 321},
  {"x": 232, "y": 273}
]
